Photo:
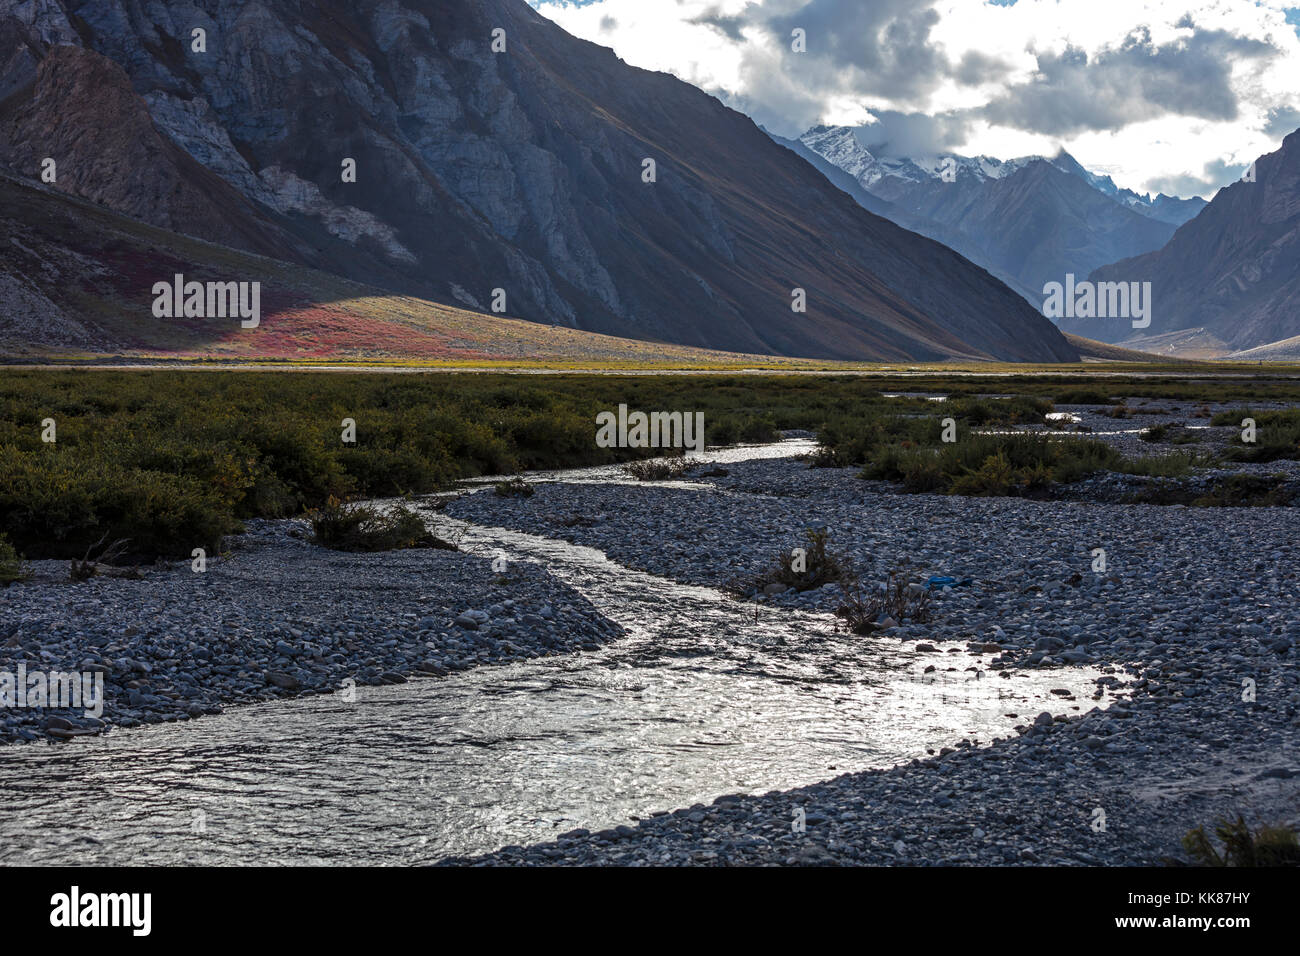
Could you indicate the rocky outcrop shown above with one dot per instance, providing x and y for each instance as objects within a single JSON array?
[{"x": 83, "y": 116}]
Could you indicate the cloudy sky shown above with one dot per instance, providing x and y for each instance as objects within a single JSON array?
[{"x": 1163, "y": 95}]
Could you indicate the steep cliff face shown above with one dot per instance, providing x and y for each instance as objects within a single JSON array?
[
  {"x": 85, "y": 118},
  {"x": 1232, "y": 272},
  {"x": 518, "y": 169}
]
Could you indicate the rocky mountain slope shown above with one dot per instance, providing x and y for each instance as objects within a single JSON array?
[
  {"x": 519, "y": 170},
  {"x": 1232, "y": 274},
  {"x": 76, "y": 282}
]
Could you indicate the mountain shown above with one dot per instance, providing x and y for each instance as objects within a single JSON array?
[
  {"x": 519, "y": 170},
  {"x": 1039, "y": 223},
  {"x": 951, "y": 237},
  {"x": 73, "y": 275},
  {"x": 1230, "y": 278},
  {"x": 890, "y": 178},
  {"x": 841, "y": 178},
  {"x": 1093, "y": 351},
  {"x": 1169, "y": 209},
  {"x": 1028, "y": 221}
]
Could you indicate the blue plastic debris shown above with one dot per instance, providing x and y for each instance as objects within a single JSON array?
[{"x": 939, "y": 581}]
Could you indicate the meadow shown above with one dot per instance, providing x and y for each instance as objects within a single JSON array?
[{"x": 173, "y": 460}]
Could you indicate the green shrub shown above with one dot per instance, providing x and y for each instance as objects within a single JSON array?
[
  {"x": 990, "y": 465},
  {"x": 660, "y": 469},
  {"x": 1174, "y": 465},
  {"x": 12, "y": 567},
  {"x": 1277, "y": 435},
  {"x": 359, "y": 527},
  {"x": 758, "y": 431},
  {"x": 1246, "y": 491},
  {"x": 59, "y": 503},
  {"x": 514, "y": 488},
  {"x": 173, "y": 459},
  {"x": 1017, "y": 410},
  {"x": 392, "y": 472},
  {"x": 993, "y": 478},
  {"x": 814, "y": 567},
  {"x": 1233, "y": 417},
  {"x": 1082, "y": 396}
]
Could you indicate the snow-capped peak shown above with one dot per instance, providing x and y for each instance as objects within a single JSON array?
[{"x": 840, "y": 146}]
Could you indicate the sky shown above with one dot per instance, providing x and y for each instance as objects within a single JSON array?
[{"x": 1174, "y": 96}]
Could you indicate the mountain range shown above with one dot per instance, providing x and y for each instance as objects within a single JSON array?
[
  {"x": 1029, "y": 220},
  {"x": 1224, "y": 275},
  {"x": 500, "y": 164}
]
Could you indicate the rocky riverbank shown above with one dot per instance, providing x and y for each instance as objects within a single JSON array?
[{"x": 275, "y": 617}]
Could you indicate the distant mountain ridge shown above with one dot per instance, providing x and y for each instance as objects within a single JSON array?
[
  {"x": 882, "y": 176},
  {"x": 1028, "y": 220},
  {"x": 519, "y": 170},
  {"x": 1170, "y": 209}
]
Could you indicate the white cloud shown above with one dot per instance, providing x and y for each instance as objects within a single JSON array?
[{"x": 1156, "y": 93}]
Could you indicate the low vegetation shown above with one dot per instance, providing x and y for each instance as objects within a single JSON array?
[
  {"x": 1247, "y": 491},
  {"x": 361, "y": 527},
  {"x": 660, "y": 469},
  {"x": 910, "y": 450},
  {"x": 867, "y": 609},
  {"x": 174, "y": 460},
  {"x": 858, "y": 438},
  {"x": 805, "y": 568},
  {"x": 12, "y": 567},
  {"x": 1176, "y": 464},
  {"x": 1173, "y": 433},
  {"x": 513, "y": 488},
  {"x": 990, "y": 465},
  {"x": 1277, "y": 434},
  {"x": 1232, "y": 491},
  {"x": 1240, "y": 846},
  {"x": 1082, "y": 396},
  {"x": 103, "y": 558}
]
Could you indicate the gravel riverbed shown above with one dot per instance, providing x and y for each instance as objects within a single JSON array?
[
  {"x": 1195, "y": 610},
  {"x": 276, "y": 617}
]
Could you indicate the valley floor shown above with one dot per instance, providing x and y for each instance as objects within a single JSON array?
[{"x": 1197, "y": 714}]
